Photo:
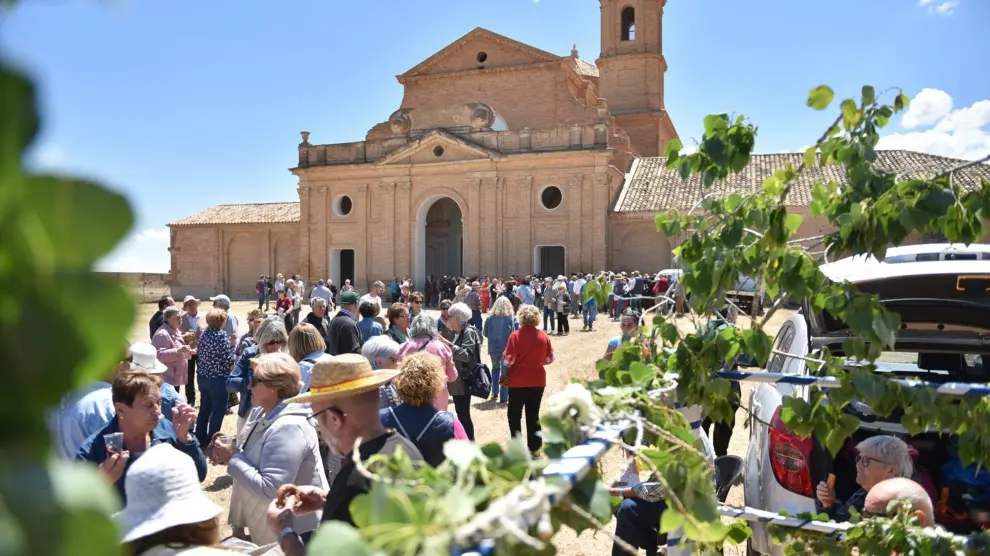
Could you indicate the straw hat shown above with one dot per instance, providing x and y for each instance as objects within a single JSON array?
[
  {"x": 164, "y": 493},
  {"x": 144, "y": 357},
  {"x": 345, "y": 375}
]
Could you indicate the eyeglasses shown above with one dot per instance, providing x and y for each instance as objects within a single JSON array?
[
  {"x": 312, "y": 419},
  {"x": 865, "y": 461},
  {"x": 276, "y": 343}
]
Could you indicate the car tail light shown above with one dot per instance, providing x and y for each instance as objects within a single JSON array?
[{"x": 789, "y": 455}]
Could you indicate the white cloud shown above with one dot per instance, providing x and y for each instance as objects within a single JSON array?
[
  {"x": 926, "y": 108},
  {"x": 962, "y": 133},
  {"x": 939, "y": 7},
  {"x": 142, "y": 251}
]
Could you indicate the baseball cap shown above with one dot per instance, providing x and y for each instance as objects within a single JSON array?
[
  {"x": 221, "y": 299},
  {"x": 350, "y": 297}
]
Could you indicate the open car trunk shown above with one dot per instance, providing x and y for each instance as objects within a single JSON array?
[{"x": 944, "y": 337}]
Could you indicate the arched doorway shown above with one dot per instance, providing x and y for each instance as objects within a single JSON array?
[{"x": 440, "y": 239}]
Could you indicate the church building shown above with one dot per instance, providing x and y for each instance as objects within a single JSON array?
[{"x": 501, "y": 159}]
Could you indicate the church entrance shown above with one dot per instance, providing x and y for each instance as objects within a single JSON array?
[
  {"x": 444, "y": 238},
  {"x": 440, "y": 239},
  {"x": 341, "y": 266},
  {"x": 548, "y": 260}
]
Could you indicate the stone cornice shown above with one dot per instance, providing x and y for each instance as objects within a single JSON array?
[
  {"x": 460, "y": 73},
  {"x": 476, "y": 33}
]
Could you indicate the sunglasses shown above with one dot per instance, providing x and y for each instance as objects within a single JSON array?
[{"x": 276, "y": 343}]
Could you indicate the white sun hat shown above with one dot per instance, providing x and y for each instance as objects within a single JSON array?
[
  {"x": 163, "y": 491},
  {"x": 144, "y": 357}
]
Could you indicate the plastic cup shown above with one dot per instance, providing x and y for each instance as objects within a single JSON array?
[{"x": 114, "y": 442}]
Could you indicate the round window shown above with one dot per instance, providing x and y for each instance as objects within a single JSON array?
[
  {"x": 438, "y": 151},
  {"x": 482, "y": 57},
  {"x": 551, "y": 197},
  {"x": 344, "y": 205}
]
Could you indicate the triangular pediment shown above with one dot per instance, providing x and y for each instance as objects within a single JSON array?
[
  {"x": 438, "y": 146},
  {"x": 466, "y": 54}
]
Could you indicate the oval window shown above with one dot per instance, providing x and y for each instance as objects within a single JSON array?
[{"x": 344, "y": 205}]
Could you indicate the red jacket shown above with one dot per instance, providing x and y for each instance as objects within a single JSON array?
[{"x": 529, "y": 351}]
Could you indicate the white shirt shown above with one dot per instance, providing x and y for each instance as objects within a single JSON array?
[
  {"x": 578, "y": 284},
  {"x": 81, "y": 414},
  {"x": 372, "y": 299}
]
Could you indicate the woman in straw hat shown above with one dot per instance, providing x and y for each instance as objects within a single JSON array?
[
  {"x": 277, "y": 446},
  {"x": 167, "y": 513},
  {"x": 344, "y": 400}
]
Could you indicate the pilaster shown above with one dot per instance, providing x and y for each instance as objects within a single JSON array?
[
  {"x": 362, "y": 255},
  {"x": 304, "y": 253},
  {"x": 602, "y": 186},
  {"x": 404, "y": 222},
  {"x": 320, "y": 255},
  {"x": 472, "y": 228},
  {"x": 574, "y": 239},
  {"x": 387, "y": 201},
  {"x": 520, "y": 249}
]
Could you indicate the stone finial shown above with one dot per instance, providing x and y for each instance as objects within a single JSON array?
[
  {"x": 305, "y": 138},
  {"x": 574, "y": 51}
]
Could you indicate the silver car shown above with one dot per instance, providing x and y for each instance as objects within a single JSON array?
[{"x": 942, "y": 293}]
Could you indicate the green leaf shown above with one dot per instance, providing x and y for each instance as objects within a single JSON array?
[
  {"x": 642, "y": 373},
  {"x": 792, "y": 222},
  {"x": 901, "y": 102},
  {"x": 340, "y": 539},
  {"x": 592, "y": 495},
  {"x": 20, "y": 124},
  {"x": 809, "y": 156},
  {"x": 850, "y": 113},
  {"x": 869, "y": 95},
  {"x": 820, "y": 97},
  {"x": 671, "y": 520},
  {"x": 73, "y": 223},
  {"x": 674, "y": 147}
]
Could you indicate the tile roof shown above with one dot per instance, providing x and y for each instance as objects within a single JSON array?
[
  {"x": 247, "y": 213},
  {"x": 585, "y": 68},
  {"x": 651, "y": 187}
]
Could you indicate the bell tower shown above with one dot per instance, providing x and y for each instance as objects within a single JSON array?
[{"x": 631, "y": 68}]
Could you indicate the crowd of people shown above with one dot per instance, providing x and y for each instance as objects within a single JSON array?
[{"x": 305, "y": 389}]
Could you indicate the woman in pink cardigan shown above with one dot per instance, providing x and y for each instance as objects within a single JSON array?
[
  {"x": 423, "y": 337},
  {"x": 172, "y": 349}
]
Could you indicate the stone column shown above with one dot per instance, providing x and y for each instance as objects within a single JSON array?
[
  {"x": 319, "y": 248},
  {"x": 489, "y": 239},
  {"x": 520, "y": 245},
  {"x": 387, "y": 201},
  {"x": 363, "y": 259},
  {"x": 599, "y": 258},
  {"x": 405, "y": 220},
  {"x": 304, "y": 253},
  {"x": 574, "y": 243},
  {"x": 471, "y": 228}
]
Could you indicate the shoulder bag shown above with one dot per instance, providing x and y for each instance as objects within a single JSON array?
[{"x": 479, "y": 380}]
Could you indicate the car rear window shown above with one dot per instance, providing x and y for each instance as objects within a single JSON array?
[{"x": 937, "y": 366}]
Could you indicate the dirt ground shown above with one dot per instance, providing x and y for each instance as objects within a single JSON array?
[{"x": 576, "y": 357}]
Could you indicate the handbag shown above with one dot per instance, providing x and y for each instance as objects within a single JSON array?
[{"x": 478, "y": 381}]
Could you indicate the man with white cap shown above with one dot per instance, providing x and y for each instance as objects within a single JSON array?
[
  {"x": 167, "y": 513},
  {"x": 223, "y": 302},
  {"x": 345, "y": 401}
]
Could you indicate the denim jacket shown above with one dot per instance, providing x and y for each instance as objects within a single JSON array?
[
  {"x": 497, "y": 331},
  {"x": 239, "y": 380}
]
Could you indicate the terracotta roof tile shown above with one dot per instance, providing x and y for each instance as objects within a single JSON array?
[
  {"x": 247, "y": 213},
  {"x": 651, "y": 187},
  {"x": 585, "y": 68}
]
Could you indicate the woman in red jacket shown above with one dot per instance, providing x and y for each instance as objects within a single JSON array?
[{"x": 524, "y": 362}]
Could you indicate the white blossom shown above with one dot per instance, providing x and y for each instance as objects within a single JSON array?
[{"x": 574, "y": 403}]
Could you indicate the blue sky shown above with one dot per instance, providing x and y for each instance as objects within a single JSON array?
[{"x": 186, "y": 104}]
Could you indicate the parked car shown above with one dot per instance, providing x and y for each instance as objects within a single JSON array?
[
  {"x": 942, "y": 293},
  {"x": 746, "y": 293}
]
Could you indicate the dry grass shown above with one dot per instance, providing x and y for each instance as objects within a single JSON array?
[{"x": 576, "y": 356}]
